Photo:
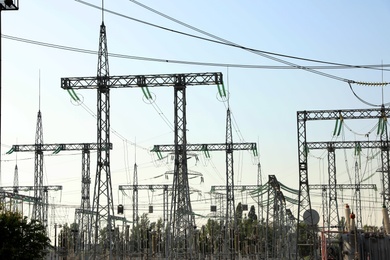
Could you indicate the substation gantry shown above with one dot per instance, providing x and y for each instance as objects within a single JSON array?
[
  {"x": 218, "y": 189},
  {"x": 85, "y": 148},
  {"x": 150, "y": 187},
  {"x": 229, "y": 188},
  {"x": 282, "y": 237},
  {"x": 44, "y": 201},
  {"x": 304, "y": 205},
  {"x": 103, "y": 82},
  {"x": 332, "y": 216},
  {"x": 325, "y": 200},
  {"x": 14, "y": 198}
]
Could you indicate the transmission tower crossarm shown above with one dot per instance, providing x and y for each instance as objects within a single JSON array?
[
  {"x": 215, "y": 188},
  {"x": 346, "y": 186},
  {"x": 11, "y": 195},
  {"x": 145, "y": 187},
  {"x": 58, "y": 147},
  {"x": 344, "y": 145},
  {"x": 31, "y": 188},
  {"x": 207, "y": 147},
  {"x": 343, "y": 113},
  {"x": 134, "y": 81}
]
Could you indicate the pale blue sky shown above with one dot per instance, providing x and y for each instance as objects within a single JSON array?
[{"x": 264, "y": 102}]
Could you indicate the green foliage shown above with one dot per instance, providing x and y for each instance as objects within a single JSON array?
[{"x": 21, "y": 239}]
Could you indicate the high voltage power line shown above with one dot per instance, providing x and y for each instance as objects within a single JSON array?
[
  {"x": 219, "y": 40},
  {"x": 195, "y": 63}
]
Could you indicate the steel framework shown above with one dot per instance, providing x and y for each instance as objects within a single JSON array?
[
  {"x": 43, "y": 201},
  {"x": 165, "y": 188},
  {"x": 304, "y": 196},
  {"x": 333, "y": 218},
  {"x": 80, "y": 218},
  {"x": 356, "y": 187},
  {"x": 228, "y": 147},
  {"x": 183, "y": 218}
]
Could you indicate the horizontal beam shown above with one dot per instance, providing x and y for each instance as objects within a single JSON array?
[
  {"x": 134, "y": 81},
  {"x": 346, "y": 145},
  {"x": 207, "y": 147},
  {"x": 58, "y": 147},
  {"x": 90, "y": 212},
  {"x": 4, "y": 194},
  {"x": 30, "y": 188},
  {"x": 145, "y": 187},
  {"x": 344, "y": 186},
  {"x": 344, "y": 114},
  {"x": 236, "y": 188}
]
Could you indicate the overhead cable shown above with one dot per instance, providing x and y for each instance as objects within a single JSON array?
[
  {"x": 196, "y": 63},
  {"x": 255, "y": 51}
]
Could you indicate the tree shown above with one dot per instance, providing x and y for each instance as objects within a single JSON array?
[{"x": 21, "y": 239}]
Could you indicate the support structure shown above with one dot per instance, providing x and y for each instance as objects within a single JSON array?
[
  {"x": 151, "y": 187},
  {"x": 102, "y": 203},
  {"x": 229, "y": 147},
  {"x": 81, "y": 219},
  {"x": 279, "y": 238},
  {"x": 331, "y": 146},
  {"x": 304, "y": 196},
  {"x": 38, "y": 210},
  {"x": 44, "y": 201},
  {"x": 356, "y": 187}
]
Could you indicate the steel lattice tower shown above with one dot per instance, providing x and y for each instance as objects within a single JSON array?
[
  {"x": 81, "y": 217},
  {"x": 102, "y": 204},
  {"x": 358, "y": 197},
  {"x": 333, "y": 216},
  {"x": 231, "y": 221},
  {"x": 182, "y": 218},
  {"x": 38, "y": 209},
  {"x": 135, "y": 196},
  {"x": 16, "y": 178},
  {"x": 260, "y": 209},
  {"x": 385, "y": 158},
  {"x": 15, "y": 190},
  {"x": 303, "y": 117},
  {"x": 135, "y": 200},
  {"x": 183, "y": 215}
]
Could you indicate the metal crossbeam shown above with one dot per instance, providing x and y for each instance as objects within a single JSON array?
[
  {"x": 244, "y": 187},
  {"x": 136, "y": 81},
  {"x": 228, "y": 147},
  {"x": 345, "y": 145},
  {"x": 31, "y": 188},
  {"x": 103, "y": 83},
  {"x": 58, "y": 147},
  {"x": 346, "y": 186},
  {"x": 39, "y": 202},
  {"x": 12, "y": 195},
  {"x": 304, "y": 197},
  {"x": 207, "y": 147}
]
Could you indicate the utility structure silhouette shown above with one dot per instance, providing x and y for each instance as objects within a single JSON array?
[
  {"x": 102, "y": 205},
  {"x": 304, "y": 204},
  {"x": 44, "y": 201},
  {"x": 228, "y": 147},
  {"x": 333, "y": 218},
  {"x": 328, "y": 236},
  {"x": 38, "y": 210},
  {"x": 217, "y": 189},
  {"x": 325, "y": 201},
  {"x": 150, "y": 187},
  {"x": 58, "y": 147},
  {"x": 280, "y": 238}
]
